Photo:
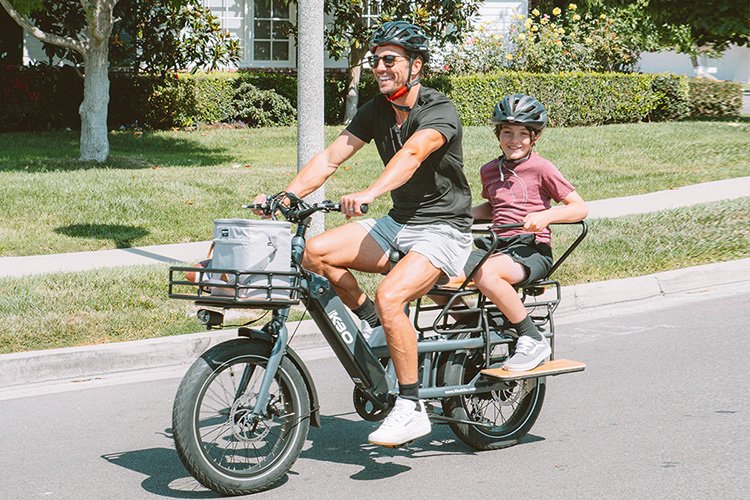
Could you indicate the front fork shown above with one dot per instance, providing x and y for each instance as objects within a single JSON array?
[{"x": 276, "y": 327}]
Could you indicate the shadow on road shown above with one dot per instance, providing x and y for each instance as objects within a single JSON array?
[
  {"x": 165, "y": 474},
  {"x": 337, "y": 441},
  {"x": 343, "y": 441}
]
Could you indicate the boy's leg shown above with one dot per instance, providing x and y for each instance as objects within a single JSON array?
[{"x": 532, "y": 348}]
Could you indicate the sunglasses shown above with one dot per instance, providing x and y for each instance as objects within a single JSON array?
[{"x": 388, "y": 61}]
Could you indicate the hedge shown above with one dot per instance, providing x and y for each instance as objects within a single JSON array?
[
  {"x": 715, "y": 98},
  {"x": 48, "y": 98}
]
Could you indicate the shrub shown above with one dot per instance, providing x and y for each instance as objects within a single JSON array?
[
  {"x": 261, "y": 108},
  {"x": 709, "y": 98},
  {"x": 671, "y": 98},
  {"x": 570, "y": 98},
  {"x": 48, "y": 98},
  {"x": 183, "y": 100}
]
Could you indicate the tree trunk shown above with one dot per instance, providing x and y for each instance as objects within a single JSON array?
[
  {"x": 352, "y": 92},
  {"x": 95, "y": 104},
  {"x": 95, "y": 51},
  {"x": 699, "y": 71},
  {"x": 94, "y": 107}
]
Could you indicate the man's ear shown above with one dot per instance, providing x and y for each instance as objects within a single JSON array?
[
  {"x": 537, "y": 135},
  {"x": 417, "y": 66}
]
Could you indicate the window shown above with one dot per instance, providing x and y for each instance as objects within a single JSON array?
[
  {"x": 271, "y": 31},
  {"x": 231, "y": 13}
]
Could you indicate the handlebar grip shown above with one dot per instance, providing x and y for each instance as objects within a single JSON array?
[{"x": 364, "y": 207}]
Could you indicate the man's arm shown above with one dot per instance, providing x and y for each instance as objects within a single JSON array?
[
  {"x": 399, "y": 170},
  {"x": 482, "y": 213},
  {"x": 324, "y": 164}
]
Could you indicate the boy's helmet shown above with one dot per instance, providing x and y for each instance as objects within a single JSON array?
[
  {"x": 520, "y": 109},
  {"x": 404, "y": 34}
]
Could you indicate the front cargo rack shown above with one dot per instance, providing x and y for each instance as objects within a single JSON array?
[{"x": 236, "y": 288}]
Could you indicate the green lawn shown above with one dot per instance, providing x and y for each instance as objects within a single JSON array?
[
  {"x": 59, "y": 310},
  {"x": 168, "y": 187}
]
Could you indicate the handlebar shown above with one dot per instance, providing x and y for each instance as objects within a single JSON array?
[{"x": 297, "y": 210}]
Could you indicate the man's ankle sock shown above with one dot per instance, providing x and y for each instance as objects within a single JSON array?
[
  {"x": 527, "y": 327},
  {"x": 368, "y": 313},
  {"x": 410, "y": 392}
]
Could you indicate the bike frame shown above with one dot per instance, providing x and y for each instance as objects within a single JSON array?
[{"x": 362, "y": 362}]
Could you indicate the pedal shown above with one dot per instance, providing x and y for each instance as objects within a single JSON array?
[{"x": 548, "y": 369}]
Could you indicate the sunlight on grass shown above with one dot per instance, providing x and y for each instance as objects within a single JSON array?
[{"x": 168, "y": 187}]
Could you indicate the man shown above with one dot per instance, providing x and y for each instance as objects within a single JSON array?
[{"x": 418, "y": 135}]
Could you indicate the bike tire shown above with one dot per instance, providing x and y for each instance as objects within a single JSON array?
[
  {"x": 207, "y": 381},
  {"x": 522, "y": 403}
]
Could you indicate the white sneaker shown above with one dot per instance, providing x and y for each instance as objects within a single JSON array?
[
  {"x": 403, "y": 424},
  {"x": 529, "y": 354}
]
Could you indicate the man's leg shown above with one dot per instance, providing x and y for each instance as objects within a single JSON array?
[
  {"x": 411, "y": 278},
  {"x": 337, "y": 250}
]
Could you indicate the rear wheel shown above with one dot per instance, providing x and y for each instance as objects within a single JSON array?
[
  {"x": 502, "y": 417},
  {"x": 218, "y": 438}
]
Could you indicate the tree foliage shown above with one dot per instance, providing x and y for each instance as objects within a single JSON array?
[
  {"x": 711, "y": 23},
  {"x": 689, "y": 27},
  {"x": 442, "y": 20},
  {"x": 148, "y": 35}
]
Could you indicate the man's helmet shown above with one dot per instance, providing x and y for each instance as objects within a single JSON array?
[
  {"x": 404, "y": 34},
  {"x": 520, "y": 109}
]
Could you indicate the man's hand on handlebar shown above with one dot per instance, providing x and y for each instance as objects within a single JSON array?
[
  {"x": 351, "y": 204},
  {"x": 260, "y": 201}
]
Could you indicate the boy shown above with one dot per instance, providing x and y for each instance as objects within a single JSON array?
[{"x": 519, "y": 187}]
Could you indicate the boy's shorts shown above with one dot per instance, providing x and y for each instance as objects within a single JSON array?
[
  {"x": 447, "y": 248},
  {"x": 535, "y": 257}
]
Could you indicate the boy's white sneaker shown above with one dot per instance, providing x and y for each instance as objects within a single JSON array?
[
  {"x": 529, "y": 354},
  {"x": 406, "y": 422}
]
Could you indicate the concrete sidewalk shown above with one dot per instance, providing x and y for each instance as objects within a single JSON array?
[
  {"x": 83, "y": 363},
  {"x": 193, "y": 252}
]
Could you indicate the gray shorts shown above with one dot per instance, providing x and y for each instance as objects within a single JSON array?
[{"x": 447, "y": 248}]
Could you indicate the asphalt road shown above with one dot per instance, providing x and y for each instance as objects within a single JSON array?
[{"x": 660, "y": 412}]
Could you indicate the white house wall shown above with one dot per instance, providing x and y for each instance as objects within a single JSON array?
[
  {"x": 734, "y": 65},
  {"x": 498, "y": 16}
]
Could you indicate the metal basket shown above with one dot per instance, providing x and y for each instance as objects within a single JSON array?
[{"x": 267, "y": 290}]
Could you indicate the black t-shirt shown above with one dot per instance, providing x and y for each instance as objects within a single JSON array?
[{"x": 438, "y": 191}]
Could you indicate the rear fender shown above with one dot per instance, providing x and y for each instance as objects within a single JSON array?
[{"x": 264, "y": 337}]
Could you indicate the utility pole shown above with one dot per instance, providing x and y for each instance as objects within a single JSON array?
[{"x": 310, "y": 92}]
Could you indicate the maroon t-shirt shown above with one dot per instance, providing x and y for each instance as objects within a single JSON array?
[{"x": 526, "y": 188}]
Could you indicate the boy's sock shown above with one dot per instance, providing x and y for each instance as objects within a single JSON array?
[
  {"x": 367, "y": 313},
  {"x": 527, "y": 327},
  {"x": 410, "y": 392}
]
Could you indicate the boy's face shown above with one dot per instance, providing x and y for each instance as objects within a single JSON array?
[{"x": 515, "y": 141}]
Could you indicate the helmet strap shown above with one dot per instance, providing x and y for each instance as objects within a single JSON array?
[{"x": 403, "y": 90}]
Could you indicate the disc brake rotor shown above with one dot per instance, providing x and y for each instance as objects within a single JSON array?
[{"x": 246, "y": 426}]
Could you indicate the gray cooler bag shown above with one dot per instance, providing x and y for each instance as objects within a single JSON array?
[{"x": 251, "y": 245}]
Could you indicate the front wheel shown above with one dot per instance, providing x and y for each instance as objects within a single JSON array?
[
  {"x": 502, "y": 417},
  {"x": 218, "y": 438}
]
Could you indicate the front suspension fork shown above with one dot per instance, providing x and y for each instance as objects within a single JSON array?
[{"x": 277, "y": 328}]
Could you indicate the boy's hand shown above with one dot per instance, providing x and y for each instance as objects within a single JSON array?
[{"x": 535, "y": 222}]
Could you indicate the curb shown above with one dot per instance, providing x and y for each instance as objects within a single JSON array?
[{"x": 92, "y": 361}]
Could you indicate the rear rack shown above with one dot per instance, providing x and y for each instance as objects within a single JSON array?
[{"x": 240, "y": 288}]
